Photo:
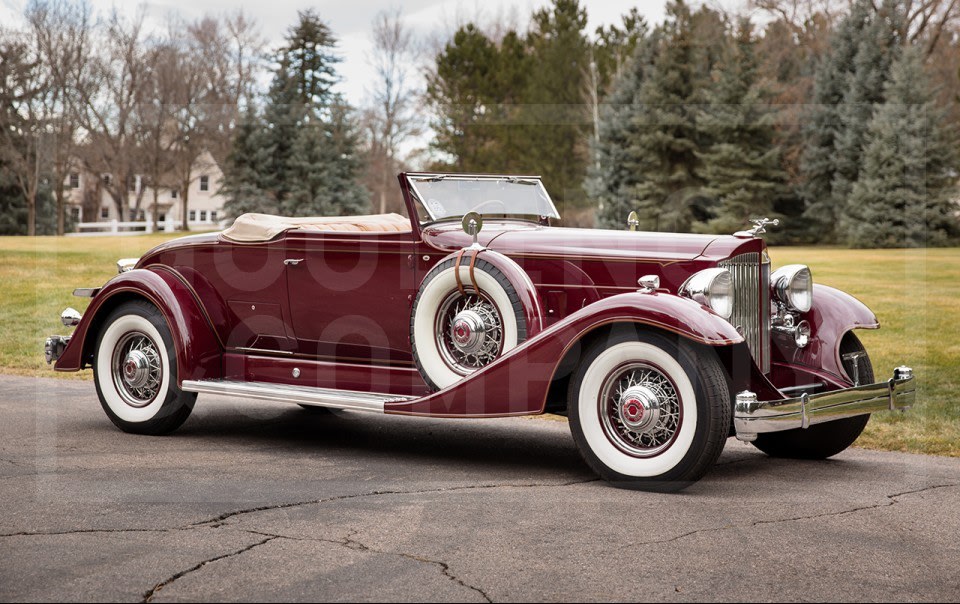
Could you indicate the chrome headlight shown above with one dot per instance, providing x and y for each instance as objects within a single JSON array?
[
  {"x": 713, "y": 288},
  {"x": 793, "y": 285}
]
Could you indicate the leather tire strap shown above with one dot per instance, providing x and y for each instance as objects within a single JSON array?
[
  {"x": 456, "y": 272},
  {"x": 473, "y": 262}
]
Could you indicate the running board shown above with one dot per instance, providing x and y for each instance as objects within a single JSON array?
[{"x": 301, "y": 395}]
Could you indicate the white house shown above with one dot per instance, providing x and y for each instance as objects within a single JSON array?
[{"x": 86, "y": 196}]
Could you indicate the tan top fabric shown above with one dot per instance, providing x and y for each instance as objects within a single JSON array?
[{"x": 264, "y": 227}]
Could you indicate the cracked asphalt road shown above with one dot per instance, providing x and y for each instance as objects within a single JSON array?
[{"x": 253, "y": 501}]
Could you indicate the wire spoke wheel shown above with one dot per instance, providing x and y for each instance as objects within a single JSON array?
[
  {"x": 137, "y": 369},
  {"x": 469, "y": 331},
  {"x": 640, "y": 409}
]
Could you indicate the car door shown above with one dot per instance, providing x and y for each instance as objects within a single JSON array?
[{"x": 350, "y": 295}]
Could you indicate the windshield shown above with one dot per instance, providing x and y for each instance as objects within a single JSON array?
[{"x": 453, "y": 195}]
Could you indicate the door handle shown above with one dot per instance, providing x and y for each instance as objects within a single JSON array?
[{"x": 292, "y": 261}]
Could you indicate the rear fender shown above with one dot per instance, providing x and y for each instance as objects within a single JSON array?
[
  {"x": 199, "y": 352},
  {"x": 518, "y": 382}
]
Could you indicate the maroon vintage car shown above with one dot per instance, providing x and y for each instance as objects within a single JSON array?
[{"x": 656, "y": 346}]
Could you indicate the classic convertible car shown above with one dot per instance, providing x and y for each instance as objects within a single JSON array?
[{"x": 656, "y": 346}]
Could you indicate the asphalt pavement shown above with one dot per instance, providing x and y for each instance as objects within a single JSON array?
[{"x": 257, "y": 501}]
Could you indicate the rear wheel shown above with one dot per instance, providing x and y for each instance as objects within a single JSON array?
[
  {"x": 824, "y": 440},
  {"x": 649, "y": 412},
  {"x": 135, "y": 371}
]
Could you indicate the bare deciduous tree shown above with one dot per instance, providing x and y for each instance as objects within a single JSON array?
[
  {"x": 390, "y": 118},
  {"x": 109, "y": 91},
  {"x": 60, "y": 31},
  {"x": 925, "y": 21},
  {"x": 22, "y": 84}
]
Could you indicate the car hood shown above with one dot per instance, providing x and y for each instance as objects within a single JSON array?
[{"x": 524, "y": 239}]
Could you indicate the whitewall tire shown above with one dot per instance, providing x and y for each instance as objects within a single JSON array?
[
  {"x": 454, "y": 334},
  {"x": 135, "y": 371},
  {"x": 648, "y": 411}
]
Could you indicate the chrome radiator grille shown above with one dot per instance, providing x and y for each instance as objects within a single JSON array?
[{"x": 751, "y": 303}]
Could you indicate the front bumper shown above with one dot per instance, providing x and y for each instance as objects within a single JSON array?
[{"x": 752, "y": 417}]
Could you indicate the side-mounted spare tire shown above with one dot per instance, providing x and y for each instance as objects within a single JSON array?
[{"x": 461, "y": 325}]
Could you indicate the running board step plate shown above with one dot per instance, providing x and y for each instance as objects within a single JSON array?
[{"x": 301, "y": 395}]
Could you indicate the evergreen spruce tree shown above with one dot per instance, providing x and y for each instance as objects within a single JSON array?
[
  {"x": 741, "y": 167},
  {"x": 878, "y": 47},
  {"x": 663, "y": 154},
  {"x": 462, "y": 92},
  {"x": 557, "y": 130},
  {"x": 324, "y": 169},
  {"x": 246, "y": 185},
  {"x": 610, "y": 178},
  {"x": 904, "y": 196},
  {"x": 299, "y": 156},
  {"x": 824, "y": 124}
]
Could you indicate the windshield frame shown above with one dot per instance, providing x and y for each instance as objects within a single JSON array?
[{"x": 414, "y": 178}]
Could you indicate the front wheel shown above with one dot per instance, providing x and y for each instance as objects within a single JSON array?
[
  {"x": 828, "y": 439},
  {"x": 649, "y": 412},
  {"x": 135, "y": 371}
]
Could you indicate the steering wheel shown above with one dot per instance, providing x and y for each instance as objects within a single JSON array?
[{"x": 477, "y": 207}]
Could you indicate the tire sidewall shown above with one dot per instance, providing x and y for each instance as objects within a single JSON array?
[
  {"x": 682, "y": 462},
  {"x": 435, "y": 289},
  {"x": 145, "y": 318}
]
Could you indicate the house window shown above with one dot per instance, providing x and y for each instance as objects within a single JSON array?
[
  {"x": 77, "y": 213},
  {"x": 132, "y": 184},
  {"x": 193, "y": 215},
  {"x": 104, "y": 213},
  {"x": 203, "y": 215},
  {"x": 213, "y": 215},
  {"x": 204, "y": 183},
  {"x": 106, "y": 180},
  {"x": 74, "y": 180},
  {"x": 174, "y": 193},
  {"x": 162, "y": 217}
]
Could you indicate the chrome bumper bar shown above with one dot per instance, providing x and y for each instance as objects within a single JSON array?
[{"x": 752, "y": 417}]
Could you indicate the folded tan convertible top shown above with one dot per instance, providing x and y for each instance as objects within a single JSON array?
[{"x": 264, "y": 227}]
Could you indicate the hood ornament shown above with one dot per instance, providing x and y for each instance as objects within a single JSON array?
[
  {"x": 759, "y": 227},
  {"x": 632, "y": 221}
]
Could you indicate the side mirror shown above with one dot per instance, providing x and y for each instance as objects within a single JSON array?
[{"x": 472, "y": 223}]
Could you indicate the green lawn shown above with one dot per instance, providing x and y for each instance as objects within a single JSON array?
[{"x": 915, "y": 293}]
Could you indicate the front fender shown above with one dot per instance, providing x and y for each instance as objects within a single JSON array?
[
  {"x": 833, "y": 314},
  {"x": 198, "y": 350},
  {"x": 518, "y": 382}
]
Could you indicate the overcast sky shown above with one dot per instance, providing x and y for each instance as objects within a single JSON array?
[{"x": 350, "y": 20}]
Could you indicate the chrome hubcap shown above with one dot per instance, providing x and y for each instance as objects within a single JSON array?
[
  {"x": 640, "y": 410},
  {"x": 469, "y": 331},
  {"x": 137, "y": 369}
]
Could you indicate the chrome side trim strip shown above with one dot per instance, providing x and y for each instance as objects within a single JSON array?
[
  {"x": 86, "y": 292},
  {"x": 752, "y": 417},
  {"x": 261, "y": 351},
  {"x": 301, "y": 395}
]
